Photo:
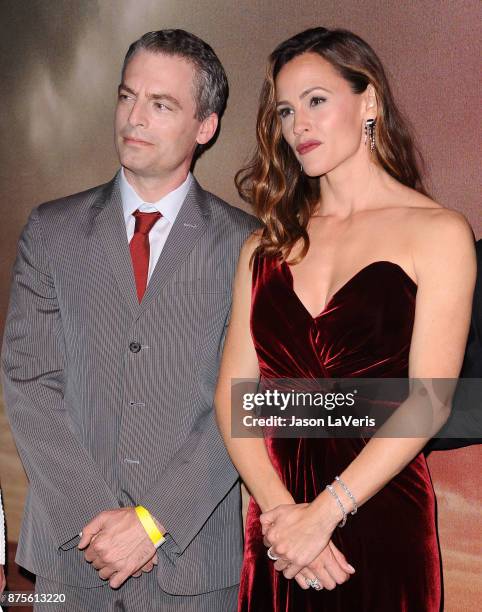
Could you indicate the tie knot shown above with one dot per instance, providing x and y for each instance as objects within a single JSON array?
[{"x": 145, "y": 221}]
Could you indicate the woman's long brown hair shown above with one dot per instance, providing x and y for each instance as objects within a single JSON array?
[{"x": 283, "y": 197}]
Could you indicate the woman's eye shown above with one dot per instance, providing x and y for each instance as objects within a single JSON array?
[
  {"x": 316, "y": 100},
  {"x": 284, "y": 112}
]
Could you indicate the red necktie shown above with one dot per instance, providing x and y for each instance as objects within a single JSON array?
[{"x": 139, "y": 247}]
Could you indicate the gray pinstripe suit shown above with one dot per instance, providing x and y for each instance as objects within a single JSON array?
[{"x": 110, "y": 401}]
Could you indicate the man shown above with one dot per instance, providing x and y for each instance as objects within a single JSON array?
[{"x": 120, "y": 299}]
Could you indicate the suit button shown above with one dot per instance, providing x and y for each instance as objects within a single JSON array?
[{"x": 134, "y": 347}]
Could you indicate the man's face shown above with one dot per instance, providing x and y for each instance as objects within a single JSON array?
[{"x": 156, "y": 130}]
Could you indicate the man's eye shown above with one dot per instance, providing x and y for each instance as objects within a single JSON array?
[
  {"x": 316, "y": 100},
  {"x": 123, "y": 97},
  {"x": 161, "y": 106},
  {"x": 284, "y": 112}
]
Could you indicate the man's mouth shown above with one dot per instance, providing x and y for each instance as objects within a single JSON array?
[{"x": 130, "y": 140}]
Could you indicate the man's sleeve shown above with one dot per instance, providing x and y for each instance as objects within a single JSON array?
[
  {"x": 61, "y": 473},
  {"x": 195, "y": 482}
]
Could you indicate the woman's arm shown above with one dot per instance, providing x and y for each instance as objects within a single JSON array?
[
  {"x": 239, "y": 361},
  {"x": 249, "y": 455},
  {"x": 445, "y": 265}
]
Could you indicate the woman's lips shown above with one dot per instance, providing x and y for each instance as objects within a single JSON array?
[{"x": 306, "y": 147}]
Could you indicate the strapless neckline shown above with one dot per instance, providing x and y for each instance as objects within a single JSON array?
[{"x": 368, "y": 268}]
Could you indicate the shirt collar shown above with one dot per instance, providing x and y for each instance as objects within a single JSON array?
[{"x": 169, "y": 206}]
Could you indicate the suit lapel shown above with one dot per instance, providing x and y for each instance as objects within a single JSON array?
[
  {"x": 110, "y": 231},
  {"x": 190, "y": 224}
]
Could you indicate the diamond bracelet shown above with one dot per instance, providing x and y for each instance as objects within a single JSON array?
[{"x": 349, "y": 493}]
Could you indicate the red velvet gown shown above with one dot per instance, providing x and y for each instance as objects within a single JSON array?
[{"x": 364, "y": 331}]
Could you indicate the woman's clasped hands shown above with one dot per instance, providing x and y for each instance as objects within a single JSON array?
[{"x": 298, "y": 537}]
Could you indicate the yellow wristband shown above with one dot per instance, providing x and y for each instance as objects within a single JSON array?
[{"x": 152, "y": 531}]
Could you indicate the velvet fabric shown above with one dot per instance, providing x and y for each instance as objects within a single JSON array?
[{"x": 364, "y": 331}]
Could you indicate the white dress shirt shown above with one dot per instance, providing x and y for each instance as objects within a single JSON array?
[{"x": 169, "y": 207}]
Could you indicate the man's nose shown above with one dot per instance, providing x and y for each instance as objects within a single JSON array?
[{"x": 138, "y": 115}]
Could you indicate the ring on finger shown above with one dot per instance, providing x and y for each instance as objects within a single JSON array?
[
  {"x": 315, "y": 584},
  {"x": 271, "y": 555}
]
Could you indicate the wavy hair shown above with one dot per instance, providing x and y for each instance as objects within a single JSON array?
[{"x": 283, "y": 197}]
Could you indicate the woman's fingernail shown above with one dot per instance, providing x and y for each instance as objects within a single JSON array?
[{"x": 352, "y": 569}]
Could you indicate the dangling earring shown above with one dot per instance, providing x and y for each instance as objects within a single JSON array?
[
  {"x": 370, "y": 133},
  {"x": 301, "y": 168}
]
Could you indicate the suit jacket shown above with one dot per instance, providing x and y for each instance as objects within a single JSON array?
[
  {"x": 464, "y": 426},
  {"x": 111, "y": 401}
]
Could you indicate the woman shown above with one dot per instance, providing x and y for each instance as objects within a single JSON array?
[{"x": 357, "y": 273}]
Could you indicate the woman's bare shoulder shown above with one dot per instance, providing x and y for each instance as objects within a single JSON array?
[
  {"x": 428, "y": 218},
  {"x": 252, "y": 241},
  {"x": 250, "y": 244},
  {"x": 246, "y": 253},
  {"x": 434, "y": 221},
  {"x": 441, "y": 236},
  {"x": 432, "y": 231}
]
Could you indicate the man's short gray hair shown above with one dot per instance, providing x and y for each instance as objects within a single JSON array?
[{"x": 210, "y": 82}]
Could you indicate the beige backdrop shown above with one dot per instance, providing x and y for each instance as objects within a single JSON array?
[{"x": 60, "y": 62}]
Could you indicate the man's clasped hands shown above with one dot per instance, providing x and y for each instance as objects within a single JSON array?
[{"x": 117, "y": 545}]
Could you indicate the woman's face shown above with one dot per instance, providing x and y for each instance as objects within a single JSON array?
[{"x": 321, "y": 118}]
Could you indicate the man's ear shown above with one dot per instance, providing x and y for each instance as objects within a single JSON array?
[{"x": 207, "y": 129}]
